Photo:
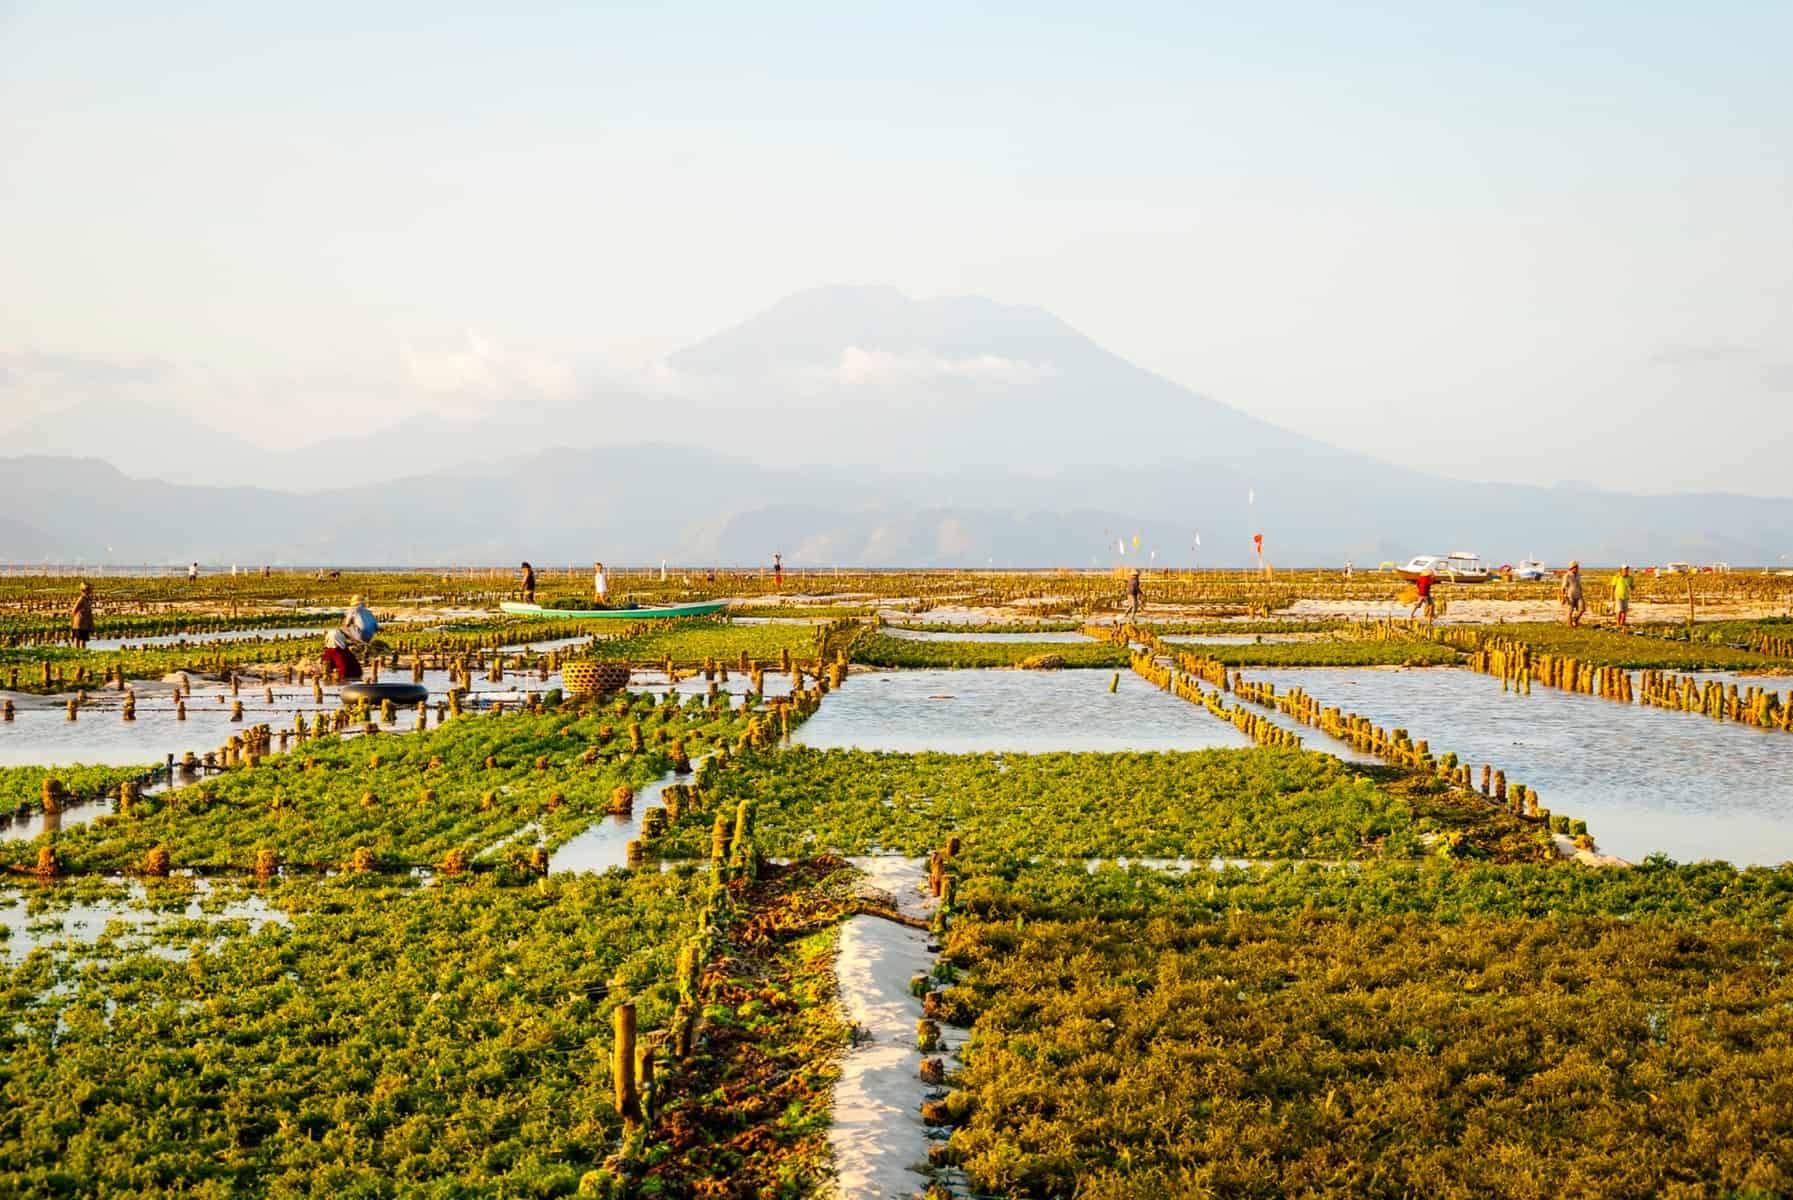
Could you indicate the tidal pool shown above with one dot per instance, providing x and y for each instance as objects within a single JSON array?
[
  {"x": 916, "y": 635},
  {"x": 82, "y": 922},
  {"x": 216, "y": 635},
  {"x": 1645, "y": 779},
  {"x": 1022, "y": 711}
]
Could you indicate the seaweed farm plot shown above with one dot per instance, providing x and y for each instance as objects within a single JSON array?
[
  {"x": 1215, "y": 804},
  {"x": 383, "y": 1040},
  {"x": 1645, "y": 780},
  {"x": 1031, "y": 711},
  {"x": 1047, "y": 637},
  {"x": 1342, "y": 1034},
  {"x": 512, "y": 788}
]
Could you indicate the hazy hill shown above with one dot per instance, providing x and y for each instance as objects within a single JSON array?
[
  {"x": 850, "y": 425},
  {"x": 640, "y": 504}
]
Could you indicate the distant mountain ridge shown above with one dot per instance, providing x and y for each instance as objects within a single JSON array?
[
  {"x": 849, "y": 425},
  {"x": 641, "y": 504}
]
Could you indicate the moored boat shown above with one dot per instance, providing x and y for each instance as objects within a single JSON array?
[{"x": 1459, "y": 566}]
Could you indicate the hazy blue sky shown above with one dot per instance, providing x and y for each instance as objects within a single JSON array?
[{"x": 1537, "y": 241}]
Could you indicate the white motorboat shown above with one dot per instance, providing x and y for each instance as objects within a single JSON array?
[
  {"x": 1459, "y": 566},
  {"x": 1531, "y": 569}
]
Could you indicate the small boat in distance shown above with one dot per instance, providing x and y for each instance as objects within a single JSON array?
[
  {"x": 1531, "y": 569},
  {"x": 1459, "y": 566}
]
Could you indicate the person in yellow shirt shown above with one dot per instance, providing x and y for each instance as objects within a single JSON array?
[{"x": 1621, "y": 594}]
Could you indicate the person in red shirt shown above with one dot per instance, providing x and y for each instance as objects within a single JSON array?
[{"x": 1423, "y": 585}]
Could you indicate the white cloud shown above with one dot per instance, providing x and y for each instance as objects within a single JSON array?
[
  {"x": 860, "y": 367},
  {"x": 480, "y": 378}
]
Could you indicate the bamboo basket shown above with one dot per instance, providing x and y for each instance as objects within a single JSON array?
[{"x": 594, "y": 678}]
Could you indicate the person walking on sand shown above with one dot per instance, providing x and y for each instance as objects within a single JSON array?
[
  {"x": 778, "y": 571},
  {"x": 1572, "y": 597},
  {"x": 1133, "y": 596},
  {"x": 528, "y": 583},
  {"x": 600, "y": 586},
  {"x": 80, "y": 617},
  {"x": 1423, "y": 599},
  {"x": 192, "y": 572},
  {"x": 1621, "y": 595}
]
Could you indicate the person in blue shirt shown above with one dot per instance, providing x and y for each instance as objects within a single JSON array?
[{"x": 359, "y": 623}]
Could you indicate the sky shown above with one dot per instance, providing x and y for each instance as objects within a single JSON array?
[{"x": 1537, "y": 242}]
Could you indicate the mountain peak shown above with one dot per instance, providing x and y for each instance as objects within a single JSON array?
[{"x": 814, "y": 327}]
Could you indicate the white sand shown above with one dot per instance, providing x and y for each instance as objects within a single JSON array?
[
  {"x": 877, "y": 1138},
  {"x": 879, "y": 1143}
]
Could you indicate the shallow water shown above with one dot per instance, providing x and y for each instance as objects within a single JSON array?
[
  {"x": 195, "y": 639},
  {"x": 1022, "y": 711},
  {"x": 1236, "y": 639},
  {"x": 101, "y": 736},
  {"x": 1644, "y": 779},
  {"x": 83, "y": 922},
  {"x": 605, "y": 844},
  {"x": 26, "y": 826}
]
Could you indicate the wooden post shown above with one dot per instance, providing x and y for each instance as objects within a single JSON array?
[{"x": 628, "y": 1099}]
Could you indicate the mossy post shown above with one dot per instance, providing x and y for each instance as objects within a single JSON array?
[
  {"x": 622, "y": 1063},
  {"x": 719, "y": 841}
]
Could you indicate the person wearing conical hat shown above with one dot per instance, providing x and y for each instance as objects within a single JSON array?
[{"x": 80, "y": 617}]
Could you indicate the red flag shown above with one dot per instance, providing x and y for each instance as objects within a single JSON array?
[{"x": 1258, "y": 541}]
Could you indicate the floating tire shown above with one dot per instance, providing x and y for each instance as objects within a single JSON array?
[{"x": 398, "y": 693}]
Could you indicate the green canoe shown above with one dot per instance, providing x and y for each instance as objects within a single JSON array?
[{"x": 617, "y": 614}]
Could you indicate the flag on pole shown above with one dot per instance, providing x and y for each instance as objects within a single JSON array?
[
  {"x": 1257, "y": 541},
  {"x": 1136, "y": 541},
  {"x": 1251, "y": 495},
  {"x": 1121, "y": 545},
  {"x": 1198, "y": 537}
]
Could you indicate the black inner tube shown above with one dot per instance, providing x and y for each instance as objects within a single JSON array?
[{"x": 398, "y": 693}]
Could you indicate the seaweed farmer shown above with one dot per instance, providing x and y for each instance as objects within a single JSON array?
[
  {"x": 778, "y": 571},
  {"x": 339, "y": 661},
  {"x": 1423, "y": 596},
  {"x": 1133, "y": 594},
  {"x": 357, "y": 629},
  {"x": 1621, "y": 594},
  {"x": 599, "y": 585},
  {"x": 358, "y": 622},
  {"x": 528, "y": 583},
  {"x": 1572, "y": 597},
  {"x": 80, "y": 617}
]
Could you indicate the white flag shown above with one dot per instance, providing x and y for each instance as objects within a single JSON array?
[
  {"x": 1251, "y": 495},
  {"x": 1198, "y": 537},
  {"x": 1121, "y": 545}
]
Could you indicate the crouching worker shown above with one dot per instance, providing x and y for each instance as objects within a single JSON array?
[
  {"x": 340, "y": 662},
  {"x": 357, "y": 630}
]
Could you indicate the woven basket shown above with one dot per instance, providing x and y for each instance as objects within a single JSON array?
[{"x": 594, "y": 678}]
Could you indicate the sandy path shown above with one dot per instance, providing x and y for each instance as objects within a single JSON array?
[{"x": 879, "y": 1143}]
